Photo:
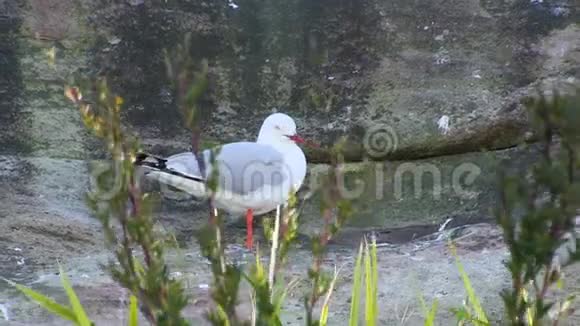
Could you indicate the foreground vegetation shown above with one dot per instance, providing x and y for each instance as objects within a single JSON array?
[{"x": 536, "y": 212}]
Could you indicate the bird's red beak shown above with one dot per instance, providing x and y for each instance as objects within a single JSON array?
[{"x": 299, "y": 140}]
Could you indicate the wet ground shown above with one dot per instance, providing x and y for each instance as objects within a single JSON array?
[{"x": 406, "y": 270}]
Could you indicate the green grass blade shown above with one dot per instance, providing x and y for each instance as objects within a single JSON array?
[
  {"x": 133, "y": 309},
  {"x": 367, "y": 277},
  {"x": 430, "y": 315},
  {"x": 369, "y": 290},
  {"x": 77, "y": 308},
  {"x": 375, "y": 286},
  {"x": 530, "y": 311},
  {"x": 479, "y": 312},
  {"x": 223, "y": 315},
  {"x": 46, "y": 302},
  {"x": 356, "y": 288},
  {"x": 324, "y": 314},
  {"x": 279, "y": 298}
]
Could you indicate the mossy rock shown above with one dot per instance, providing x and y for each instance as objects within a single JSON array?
[
  {"x": 443, "y": 79},
  {"x": 397, "y": 194}
]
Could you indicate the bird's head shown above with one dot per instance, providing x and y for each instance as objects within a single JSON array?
[{"x": 279, "y": 127}]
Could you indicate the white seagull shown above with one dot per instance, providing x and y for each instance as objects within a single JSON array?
[{"x": 253, "y": 177}]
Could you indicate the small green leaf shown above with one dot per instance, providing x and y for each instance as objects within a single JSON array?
[
  {"x": 81, "y": 316},
  {"x": 461, "y": 314},
  {"x": 375, "y": 273},
  {"x": 356, "y": 288},
  {"x": 223, "y": 315},
  {"x": 281, "y": 295},
  {"x": 133, "y": 311},
  {"x": 479, "y": 312},
  {"x": 429, "y": 313},
  {"x": 370, "y": 281},
  {"x": 326, "y": 304},
  {"x": 430, "y": 317},
  {"x": 46, "y": 302},
  {"x": 560, "y": 283}
]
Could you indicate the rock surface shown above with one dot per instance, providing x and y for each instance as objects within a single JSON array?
[
  {"x": 408, "y": 82},
  {"x": 429, "y": 191},
  {"x": 401, "y": 80},
  {"x": 423, "y": 266}
]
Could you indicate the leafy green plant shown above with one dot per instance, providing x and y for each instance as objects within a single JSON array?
[
  {"x": 117, "y": 200},
  {"x": 372, "y": 286},
  {"x": 189, "y": 84},
  {"x": 323, "y": 320},
  {"x": 356, "y": 288},
  {"x": 269, "y": 291},
  {"x": 366, "y": 267},
  {"x": 430, "y": 313},
  {"x": 269, "y": 287},
  {"x": 471, "y": 311},
  {"x": 332, "y": 201},
  {"x": 268, "y": 297},
  {"x": 125, "y": 215},
  {"x": 74, "y": 312},
  {"x": 133, "y": 311},
  {"x": 537, "y": 214},
  {"x": 537, "y": 211}
]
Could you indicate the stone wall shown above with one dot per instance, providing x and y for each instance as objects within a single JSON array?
[{"x": 439, "y": 77}]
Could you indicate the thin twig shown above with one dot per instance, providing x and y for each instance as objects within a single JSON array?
[{"x": 273, "y": 250}]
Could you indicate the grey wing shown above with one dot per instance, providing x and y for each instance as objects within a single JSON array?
[
  {"x": 185, "y": 163},
  {"x": 246, "y": 167}
]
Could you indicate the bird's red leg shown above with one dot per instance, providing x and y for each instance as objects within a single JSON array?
[{"x": 249, "y": 228}]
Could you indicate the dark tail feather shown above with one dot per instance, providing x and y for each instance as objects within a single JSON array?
[
  {"x": 156, "y": 162},
  {"x": 160, "y": 164}
]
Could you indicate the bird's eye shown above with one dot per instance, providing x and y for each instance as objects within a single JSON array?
[{"x": 277, "y": 127}]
